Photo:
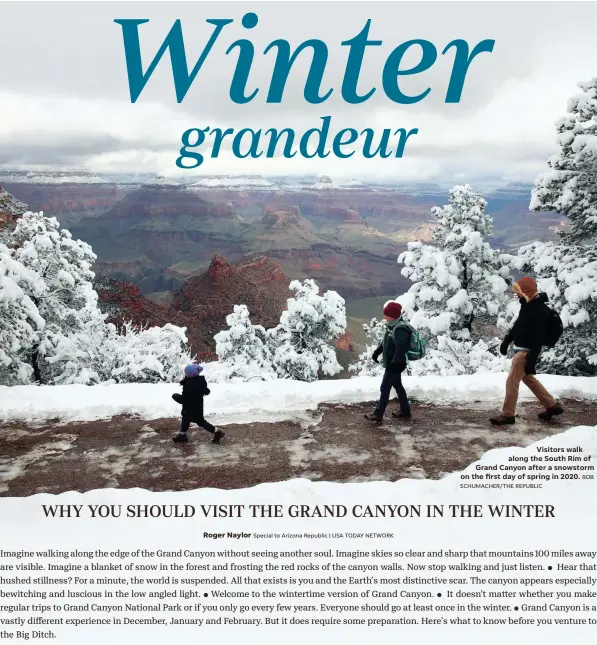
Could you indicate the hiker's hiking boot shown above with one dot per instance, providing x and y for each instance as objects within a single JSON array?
[
  {"x": 550, "y": 413},
  {"x": 502, "y": 420},
  {"x": 218, "y": 434},
  {"x": 401, "y": 415},
  {"x": 373, "y": 418},
  {"x": 180, "y": 437}
]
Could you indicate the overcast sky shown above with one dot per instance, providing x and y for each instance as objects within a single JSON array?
[{"x": 64, "y": 96}]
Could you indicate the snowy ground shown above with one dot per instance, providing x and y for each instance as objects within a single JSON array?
[
  {"x": 330, "y": 443},
  {"x": 260, "y": 402}
]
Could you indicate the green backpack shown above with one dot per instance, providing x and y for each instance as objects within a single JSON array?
[{"x": 417, "y": 346}]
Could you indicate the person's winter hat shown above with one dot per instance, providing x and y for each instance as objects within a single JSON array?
[
  {"x": 393, "y": 310},
  {"x": 193, "y": 370},
  {"x": 526, "y": 287}
]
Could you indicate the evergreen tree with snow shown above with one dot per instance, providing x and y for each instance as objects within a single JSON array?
[
  {"x": 68, "y": 298},
  {"x": 569, "y": 186},
  {"x": 460, "y": 280},
  {"x": 303, "y": 344},
  {"x": 243, "y": 349},
  {"x": 566, "y": 270},
  {"x": 460, "y": 296},
  {"x": 20, "y": 322},
  {"x": 568, "y": 275}
]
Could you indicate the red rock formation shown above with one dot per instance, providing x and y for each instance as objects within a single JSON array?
[
  {"x": 345, "y": 342},
  {"x": 203, "y": 302},
  {"x": 206, "y": 300},
  {"x": 219, "y": 269}
]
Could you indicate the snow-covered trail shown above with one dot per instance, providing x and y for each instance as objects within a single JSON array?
[
  {"x": 260, "y": 401},
  {"x": 331, "y": 443}
]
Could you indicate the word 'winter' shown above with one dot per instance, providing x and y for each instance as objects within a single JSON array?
[
  {"x": 316, "y": 89},
  {"x": 183, "y": 79}
]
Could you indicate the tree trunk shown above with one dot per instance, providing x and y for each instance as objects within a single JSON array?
[{"x": 35, "y": 364}]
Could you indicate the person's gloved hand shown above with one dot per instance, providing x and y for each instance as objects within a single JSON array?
[
  {"x": 398, "y": 365},
  {"x": 376, "y": 354},
  {"x": 530, "y": 368},
  {"x": 504, "y": 349}
]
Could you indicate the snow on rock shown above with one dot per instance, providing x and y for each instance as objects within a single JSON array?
[
  {"x": 51, "y": 176},
  {"x": 259, "y": 401},
  {"x": 327, "y": 183},
  {"x": 160, "y": 180},
  {"x": 10, "y": 205},
  {"x": 228, "y": 182}
]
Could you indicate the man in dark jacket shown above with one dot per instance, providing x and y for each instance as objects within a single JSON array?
[
  {"x": 194, "y": 388},
  {"x": 393, "y": 349},
  {"x": 528, "y": 333}
]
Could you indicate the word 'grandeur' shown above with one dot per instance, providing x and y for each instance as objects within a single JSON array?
[{"x": 315, "y": 90}]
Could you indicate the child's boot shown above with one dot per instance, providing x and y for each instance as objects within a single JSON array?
[
  {"x": 218, "y": 434},
  {"x": 180, "y": 437}
]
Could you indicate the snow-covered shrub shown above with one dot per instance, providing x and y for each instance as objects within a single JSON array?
[
  {"x": 20, "y": 322},
  {"x": 461, "y": 280},
  {"x": 365, "y": 366},
  {"x": 453, "y": 357},
  {"x": 100, "y": 353},
  {"x": 302, "y": 344},
  {"x": 151, "y": 355},
  {"x": 243, "y": 350}
]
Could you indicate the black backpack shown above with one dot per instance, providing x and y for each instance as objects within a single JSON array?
[{"x": 555, "y": 328}]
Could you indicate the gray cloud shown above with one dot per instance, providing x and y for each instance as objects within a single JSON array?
[{"x": 73, "y": 52}]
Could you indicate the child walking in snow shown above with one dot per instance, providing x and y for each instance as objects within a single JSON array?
[{"x": 194, "y": 388}]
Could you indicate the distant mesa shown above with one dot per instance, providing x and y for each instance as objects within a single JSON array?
[
  {"x": 238, "y": 183},
  {"x": 160, "y": 181},
  {"x": 326, "y": 183},
  {"x": 52, "y": 176}
]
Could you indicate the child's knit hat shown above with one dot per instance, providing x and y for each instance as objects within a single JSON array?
[{"x": 193, "y": 370}]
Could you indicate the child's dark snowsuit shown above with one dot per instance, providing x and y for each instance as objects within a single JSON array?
[{"x": 193, "y": 391}]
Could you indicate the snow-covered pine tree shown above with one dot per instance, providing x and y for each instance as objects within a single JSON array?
[
  {"x": 20, "y": 322},
  {"x": 568, "y": 275},
  {"x": 567, "y": 269},
  {"x": 243, "y": 349},
  {"x": 460, "y": 291},
  {"x": 64, "y": 266},
  {"x": 461, "y": 280},
  {"x": 302, "y": 344},
  {"x": 569, "y": 186}
]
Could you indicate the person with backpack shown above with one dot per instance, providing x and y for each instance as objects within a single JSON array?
[
  {"x": 537, "y": 326},
  {"x": 394, "y": 348},
  {"x": 194, "y": 388}
]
